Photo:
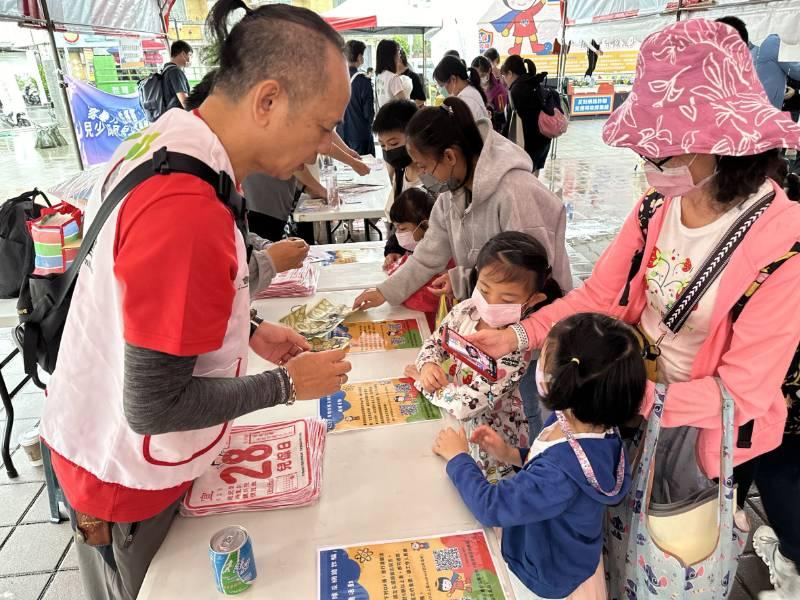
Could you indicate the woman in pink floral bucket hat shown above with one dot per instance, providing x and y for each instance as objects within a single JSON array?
[{"x": 684, "y": 264}]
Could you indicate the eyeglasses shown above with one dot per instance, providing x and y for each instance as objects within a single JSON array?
[{"x": 658, "y": 164}]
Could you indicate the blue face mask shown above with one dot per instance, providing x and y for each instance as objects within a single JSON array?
[{"x": 443, "y": 91}]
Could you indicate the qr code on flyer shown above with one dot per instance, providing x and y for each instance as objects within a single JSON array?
[{"x": 447, "y": 559}]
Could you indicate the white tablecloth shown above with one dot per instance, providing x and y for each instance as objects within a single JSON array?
[
  {"x": 351, "y": 276},
  {"x": 369, "y": 205},
  {"x": 383, "y": 483}
]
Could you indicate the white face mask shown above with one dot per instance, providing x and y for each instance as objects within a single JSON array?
[
  {"x": 542, "y": 379},
  {"x": 485, "y": 81}
]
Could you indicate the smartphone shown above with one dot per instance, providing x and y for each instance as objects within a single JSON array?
[{"x": 468, "y": 353}]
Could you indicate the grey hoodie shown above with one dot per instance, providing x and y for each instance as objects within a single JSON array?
[{"x": 505, "y": 197}]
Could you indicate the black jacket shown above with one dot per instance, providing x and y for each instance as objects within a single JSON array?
[
  {"x": 356, "y": 127},
  {"x": 526, "y": 100}
]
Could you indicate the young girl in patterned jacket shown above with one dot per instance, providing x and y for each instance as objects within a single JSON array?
[{"x": 513, "y": 279}]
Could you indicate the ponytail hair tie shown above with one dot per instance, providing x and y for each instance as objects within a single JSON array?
[
  {"x": 576, "y": 360},
  {"x": 447, "y": 108}
]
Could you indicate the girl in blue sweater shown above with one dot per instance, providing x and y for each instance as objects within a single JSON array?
[{"x": 592, "y": 376}]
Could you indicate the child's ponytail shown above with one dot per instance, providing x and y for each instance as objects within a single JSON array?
[{"x": 597, "y": 369}]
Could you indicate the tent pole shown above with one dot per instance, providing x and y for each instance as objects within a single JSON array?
[
  {"x": 61, "y": 83},
  {"x": 424, "y": 63},
  {"x": 561, "y": 71}
]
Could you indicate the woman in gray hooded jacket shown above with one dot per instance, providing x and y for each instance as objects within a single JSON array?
[{"x": 490, "y": 187}]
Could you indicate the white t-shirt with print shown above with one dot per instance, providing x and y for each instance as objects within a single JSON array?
[
  {"x": 388, "y": 85},
  {"x": 679, "y": 252},
  {"x": 472, "y": 97}
]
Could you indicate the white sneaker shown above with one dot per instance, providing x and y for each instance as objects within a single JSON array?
[{"x": 782, "y": 572}]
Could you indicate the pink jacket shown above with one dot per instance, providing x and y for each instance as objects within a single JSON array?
[{"x": 750, "y": 357}]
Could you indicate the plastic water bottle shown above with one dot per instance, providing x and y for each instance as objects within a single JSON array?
[
  {"x": 330, "y": 181},
  {"x": 570, "y": 211}
]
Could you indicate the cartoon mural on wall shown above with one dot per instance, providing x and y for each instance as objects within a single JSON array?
[
  {"x": 524, "y": 27},
  {"x": 519, "y": 22}
]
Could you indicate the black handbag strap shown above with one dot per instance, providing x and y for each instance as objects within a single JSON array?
[
  {"x": 714, "y": 265},
  {"x": 163, "y": 162}
]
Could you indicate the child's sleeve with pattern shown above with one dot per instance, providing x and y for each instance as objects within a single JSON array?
[
  {"x": 432, "y": 351},
  {"x": 476, "y": 394}
]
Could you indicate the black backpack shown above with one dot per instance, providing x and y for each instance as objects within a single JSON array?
[
  {"x": 16, "y": 245},
  {"x": 43, "y": 312},
  {"x": 651, "y": 203},
  {"x": 152, "y": 96}
]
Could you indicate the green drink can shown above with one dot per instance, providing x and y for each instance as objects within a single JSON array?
[{"x": 232, "y": 559}]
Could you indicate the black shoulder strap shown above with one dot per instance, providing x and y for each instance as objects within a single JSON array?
[
  {"x": 647, "y": 209},
  {"x": 162, "y": 163},
  {"x": 714, "y": 264},
  {"x": 763, "y": 275},
  {"x": 744, "y": 439}
]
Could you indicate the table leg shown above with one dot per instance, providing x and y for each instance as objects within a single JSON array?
[
  {"x": 6, "y": 449},
  {"x": 329, "y": 232},
  {"x": 367, "y": 225},
  {"x": 6, "y": 397},
  {"x": 54, "y": 492}
]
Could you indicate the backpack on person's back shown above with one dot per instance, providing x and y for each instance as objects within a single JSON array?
[
  {"x": 16, "y": 244},
  {"x": 152, "y": 95}
]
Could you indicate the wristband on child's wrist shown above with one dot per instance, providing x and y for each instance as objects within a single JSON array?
[{"x": 522, "y": 337}]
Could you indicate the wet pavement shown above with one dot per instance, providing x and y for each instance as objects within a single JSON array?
[
  {"x": 37, "y": 561},
  {"x": 24, "y": 167}
]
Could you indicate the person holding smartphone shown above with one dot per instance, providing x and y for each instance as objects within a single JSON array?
[{"x": 514, "y": 278}]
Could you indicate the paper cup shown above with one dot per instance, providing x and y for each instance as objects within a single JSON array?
[{"x": 30, "y": 444}]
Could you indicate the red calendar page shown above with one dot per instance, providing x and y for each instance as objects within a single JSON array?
[{"x": 263, "y": 467}]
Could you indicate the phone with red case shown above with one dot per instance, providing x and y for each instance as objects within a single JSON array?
[{"x": 468, "y": 353}]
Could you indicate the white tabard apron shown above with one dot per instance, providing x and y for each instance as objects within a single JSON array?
[{"x": 83, "y": 418}]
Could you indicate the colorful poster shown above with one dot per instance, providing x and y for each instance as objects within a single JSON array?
[
  {"x": 375, "y": 336},
  {"x": 448, "y": 567},
  {"x": 102, "y": 121},
  {"x": 375, "y": 404}
]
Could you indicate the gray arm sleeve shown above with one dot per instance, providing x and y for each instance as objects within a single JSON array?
[
  {"x": 262, "y": 271},
  {"x": 161, "y": 395}
]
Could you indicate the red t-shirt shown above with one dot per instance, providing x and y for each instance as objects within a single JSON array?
[
  {"x": 175, "y": 260},
  {"x": 423, "y": 299}
]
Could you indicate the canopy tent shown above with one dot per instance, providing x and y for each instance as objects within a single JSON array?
[
  {"x": 138, "y": 18},
  {"x": 625, "y": 23},
  {"x": 121, "y": 16},
  {"x": 370, "y": 17}
]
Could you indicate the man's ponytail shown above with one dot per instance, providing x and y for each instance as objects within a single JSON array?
[
  {"x": 267, "y": 43},
  {"x": 218, "y": 17}
]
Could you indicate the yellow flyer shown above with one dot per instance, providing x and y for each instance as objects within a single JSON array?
[
  {"x": 447, "y": 567},
  {"x": 374, "y": 404},
  {"x": 376, "y": 336}
]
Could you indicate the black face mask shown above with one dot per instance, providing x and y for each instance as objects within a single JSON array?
[{"x": 398, "y": 157}]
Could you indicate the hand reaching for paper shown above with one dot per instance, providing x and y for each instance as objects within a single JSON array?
[{"x": 277, "y": 344}]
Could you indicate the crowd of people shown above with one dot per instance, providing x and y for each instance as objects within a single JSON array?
[{"x": 692, "y": 297}]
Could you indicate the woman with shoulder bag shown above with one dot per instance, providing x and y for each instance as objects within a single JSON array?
[
  {"x": 686, "y": 259},
  {"x": 525, "y": 105}
]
